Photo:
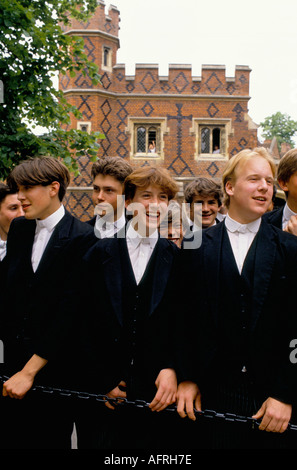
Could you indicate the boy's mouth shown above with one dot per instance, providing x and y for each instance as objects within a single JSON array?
[{"x": 153, "y": 216}]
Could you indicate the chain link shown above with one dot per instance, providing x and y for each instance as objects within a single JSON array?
[{"x": 209, "y": 414}]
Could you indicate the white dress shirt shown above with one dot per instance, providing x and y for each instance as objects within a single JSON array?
[
  {"x": 43, "y": 232},
  {"x": 3, "y": 244},
  {"x": 108, "y": 229},
  {"x": 241, "y": 237},
  {"x": 287, "y": 214},
  {"x": 140, "y": 250}
]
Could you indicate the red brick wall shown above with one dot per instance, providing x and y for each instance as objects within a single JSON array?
[{"x": 178, "y": 97}]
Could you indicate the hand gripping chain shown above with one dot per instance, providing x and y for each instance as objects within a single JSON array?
[{"x": 210, "y": 414}]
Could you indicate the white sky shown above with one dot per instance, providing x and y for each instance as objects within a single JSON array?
[{"x": 259, "y": 33}]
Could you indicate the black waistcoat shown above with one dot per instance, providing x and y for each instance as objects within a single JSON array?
[
  {"x": 136, "y": 303},
  {"x": 235, "y": 309}
]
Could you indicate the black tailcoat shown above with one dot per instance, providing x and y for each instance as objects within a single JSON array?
[
  {"x": 275, "y": 217},
  {"x": 110, "y": 324},
  {"x": 241, "y": 322},
  {"x": 39, "y": 316}
]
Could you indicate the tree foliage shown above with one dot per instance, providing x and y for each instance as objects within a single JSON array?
[
  {"x": 33, "y": 50},
  {"x": 281, "y": 126}
]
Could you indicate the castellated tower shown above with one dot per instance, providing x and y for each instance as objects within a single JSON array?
[{"x": 189, "y": 124}]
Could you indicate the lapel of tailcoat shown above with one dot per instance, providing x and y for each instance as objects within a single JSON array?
[
  {"x": 163, "y": 263},
  {"x": 113, "y": 272},
  {"x": 59, "y": 238},
  {"x": 264, "y": 263}
]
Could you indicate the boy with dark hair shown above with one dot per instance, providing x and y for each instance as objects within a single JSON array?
[
  {"x": 10, "y": 208},
  {"x": 285, "y": 217},
  {"x": 38, "y": 322},
  {"x": 208, "y": 193},
  {"x": 108, "y": 176},
  {"x": 131, "y": 276}
]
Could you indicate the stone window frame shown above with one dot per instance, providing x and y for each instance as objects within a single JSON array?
[
  {"x": 84, "y": 124},
  {"x": 158, "y": 122},
  {"x": 225, "y": 125}
]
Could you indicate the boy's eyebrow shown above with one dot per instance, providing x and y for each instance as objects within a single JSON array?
[
  {"x": 251, "y": 175},
  {"x": 103, "y": 187},
  {"x": 148, "y": 191}
]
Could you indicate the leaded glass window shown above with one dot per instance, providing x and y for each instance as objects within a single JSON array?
[
  {"x": 205, "y": 140},
  {"x": 212, "y": 139},
  {"x": 147, "y": 139}
]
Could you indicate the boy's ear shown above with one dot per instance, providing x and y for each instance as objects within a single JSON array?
[
  {"x": 229, "y": 188},
  {"x": 54, "y": 188},
  {"x": 283, "y": 185}
]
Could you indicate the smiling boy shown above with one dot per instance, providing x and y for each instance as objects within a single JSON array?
[
  {"x": 38, "y": 321},
  {"x": 240, "y": 297},
  {"x": 130, "y": 275},
  {"x": 207, "y": 193}
]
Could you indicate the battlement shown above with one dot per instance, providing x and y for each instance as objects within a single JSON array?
[
  {"x": 212, "y": 81},
  {"x": 101, "y": 35},
  {"x": 99, "y": 22}
]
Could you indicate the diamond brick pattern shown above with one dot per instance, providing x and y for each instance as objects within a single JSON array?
[
  {"x": 148, "y": 82},
  {"x": 212, "y": 170},
  {"x": 147, "y": 108},
  {"x": 213, "y": 83},
  {"x": 180, "y": 82},
  {"x": 212, "y": 110},
  {"x": 106, "y": 126},
  {"x": 85, "y": 108},
  {"x": 79, "y": 204},
  {"x": 180, "y": 100}
]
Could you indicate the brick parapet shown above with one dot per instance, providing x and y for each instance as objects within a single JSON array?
[{"x": 180, "y": 100}]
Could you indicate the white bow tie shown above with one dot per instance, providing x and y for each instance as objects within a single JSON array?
[
  {"x": 243, "y": 229},
  {"x": 41, "y": 224},
  {"x": 144, "y": 241},
  {"x": 2, "y": 243}
]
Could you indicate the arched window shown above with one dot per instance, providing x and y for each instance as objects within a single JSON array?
[
  {"x": 106, "y": 58},
  {"x": 141, "y": 138}
]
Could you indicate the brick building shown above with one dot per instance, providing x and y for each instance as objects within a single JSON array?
[{"x": 187, "y": 117}]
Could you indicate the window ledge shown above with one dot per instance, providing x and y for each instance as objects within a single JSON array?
[
  {"x": 212, "y": 156},
  {"x": 147, "y": 155}
]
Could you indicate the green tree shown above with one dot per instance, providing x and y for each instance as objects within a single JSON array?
[
  {"x": 33, "y": 50},
  {"x": 281, "y": 126}
]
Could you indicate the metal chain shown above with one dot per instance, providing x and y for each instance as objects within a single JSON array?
[{"x": 210, "y": 414}]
